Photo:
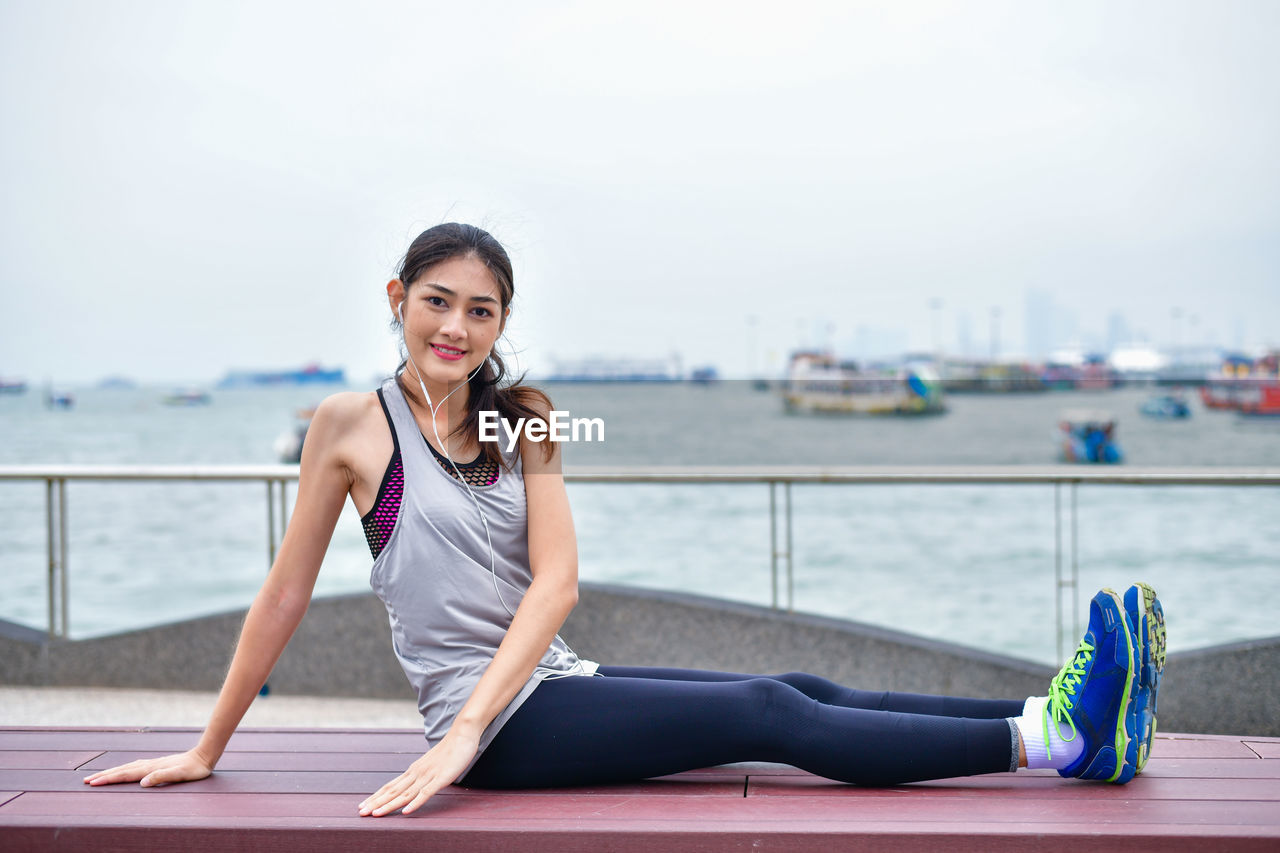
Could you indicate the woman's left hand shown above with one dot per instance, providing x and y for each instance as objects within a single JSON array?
[{"x": 440, "y": 766}]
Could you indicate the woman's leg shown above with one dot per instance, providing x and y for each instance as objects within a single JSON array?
[
  {"x": 584, "y": 730},
  {"x": 830, "y": 693}
]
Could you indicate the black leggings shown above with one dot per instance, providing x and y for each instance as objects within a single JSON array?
[{"x": 633, "y": 723}]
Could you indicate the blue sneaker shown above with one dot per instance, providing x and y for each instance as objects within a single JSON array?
[
  {"x": 1094, "y": 696},
  {"x": 1147, "y": 617}
]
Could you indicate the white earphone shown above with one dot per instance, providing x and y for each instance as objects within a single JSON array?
[{"x": 432, "y": 408}]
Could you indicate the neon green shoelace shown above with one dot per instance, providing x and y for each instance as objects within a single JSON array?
[{"x": 1062, "y": 690}]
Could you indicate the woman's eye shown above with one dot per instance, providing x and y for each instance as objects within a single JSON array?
[
  {"x": 435, "y": 300},
  {"x": 483, "y": 312}
]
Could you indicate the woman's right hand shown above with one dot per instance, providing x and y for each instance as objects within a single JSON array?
[{"x": 184, "y": 767}]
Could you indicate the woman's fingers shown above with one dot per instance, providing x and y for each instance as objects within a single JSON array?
[
  {"x": 131, "y": 772},
  {"x": 385, "y": 793},
  {"x": 380, "y": 796},
  {"x": 153, "y": 771},
  {"x": 173, "y": 773},
  {"x": 407, "y": 792},
  {"x": 426, "y": 793},
  {"x": 388, "y": 802},
  {"x": 443, "y": 763}
]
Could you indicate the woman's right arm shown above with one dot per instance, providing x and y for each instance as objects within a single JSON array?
[{"x": 323, "y": 483}]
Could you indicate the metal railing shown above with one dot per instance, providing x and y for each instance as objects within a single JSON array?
[{"x": 779, "y": 479}]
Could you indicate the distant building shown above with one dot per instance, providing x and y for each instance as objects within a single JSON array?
[
  {"x": 1039, "y": 324},
  {"x": 1117, "y": 331}
]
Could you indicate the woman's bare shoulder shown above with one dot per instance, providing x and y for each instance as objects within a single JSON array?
[
  {"x": 348, "y": 423},
  {"x": 347, "y": 409},
  {"x": 349, "y": 432}
]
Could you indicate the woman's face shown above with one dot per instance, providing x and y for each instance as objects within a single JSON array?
[{"x": 452, "y": 316}]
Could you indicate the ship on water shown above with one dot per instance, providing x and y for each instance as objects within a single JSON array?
[
  {"x": 977, "y": 375},
  {"x": 1244, "y": 384},
  {"x": 311, "y": 374},
  {"x": 818, "y": 382},
  {"x": 607, "y": 369}
]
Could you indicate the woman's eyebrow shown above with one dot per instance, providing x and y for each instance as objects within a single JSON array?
[{"x": 445, "y": 290}]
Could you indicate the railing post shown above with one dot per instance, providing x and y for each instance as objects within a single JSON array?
[
  {"x": 1061, "y": 584},
  {"x": 63, "y": 574},
  {"x": 773, "y": 541},
  {"x": 49, "y": 552},
  {"x": 791, "y": 582},
  {"x": 1075, "y": 568},
  {"x": 1057, "y": 565},
  {"x": 55, "y": 513},
  {"x": 284, "y": 508},
  {"x": 271, "y": 525}
]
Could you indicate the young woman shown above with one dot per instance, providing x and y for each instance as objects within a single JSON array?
[{"x": 477, "y": 565}]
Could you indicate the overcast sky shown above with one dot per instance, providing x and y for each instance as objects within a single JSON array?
[{"x": 192, "y": 187}]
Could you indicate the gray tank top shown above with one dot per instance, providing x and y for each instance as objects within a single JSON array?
[{"x": 433, "y": 576}]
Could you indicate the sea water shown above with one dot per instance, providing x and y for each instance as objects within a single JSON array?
[{"x": 968, "y": 564}]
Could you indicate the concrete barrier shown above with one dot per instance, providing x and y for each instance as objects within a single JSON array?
[{"x": 343, "y": 648}]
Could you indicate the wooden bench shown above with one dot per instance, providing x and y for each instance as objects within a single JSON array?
[{"x": 284, "y": 790}]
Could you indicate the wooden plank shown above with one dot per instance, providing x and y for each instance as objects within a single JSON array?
[
  {"x": 298, "y": 790},
  {"x": 1002, "y": 786},
  {"x": 383, "y": 762},
  {"x": 1215, "y": 768},
  {"x": 544, "y": 812},
  {"x": 166, "y": 839},
  {"x": 389, "y": 764},
  {"x": 356, "y": 783},
  {"x": 1163, "y": 736},
  {"x": 76, "y": 729},
  {"x": 248, "y": 740},
  {"x": 20, "y": 759},
  {"x": 1199, "y": 748},
  {"x": 1264, "y": 749}
]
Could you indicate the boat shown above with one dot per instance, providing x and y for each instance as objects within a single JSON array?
[
  {"x": 817, "y": 382},
  {"x": 1095, "y": 374},
  {"x": 288, "y": 445},
  {"x": 1266, "y": 404},
  {"x": 1241, "y": 382},
  {"x": 187, "y": 397},
  {"x": 1088, "y": 437},
  {"x": 12, "y": 386},
  {"x": 1166, "y": 407},
  {"x": 311, "y": 374},
  {"x": 703, "y": 375},
  {"x": 1219, "y": 395},
  {"x": 58, "y": 399}
]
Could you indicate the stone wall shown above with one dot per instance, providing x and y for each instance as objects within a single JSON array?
[{"x": 343, "y": 648}]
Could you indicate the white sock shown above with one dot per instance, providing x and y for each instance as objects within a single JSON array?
[{"x": 1055, "y": 754}]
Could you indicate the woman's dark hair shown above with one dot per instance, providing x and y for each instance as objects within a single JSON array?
[{"x": 511, "y": 401}]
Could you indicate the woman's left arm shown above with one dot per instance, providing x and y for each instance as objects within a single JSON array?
[{"x": 553, "y": 562}]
